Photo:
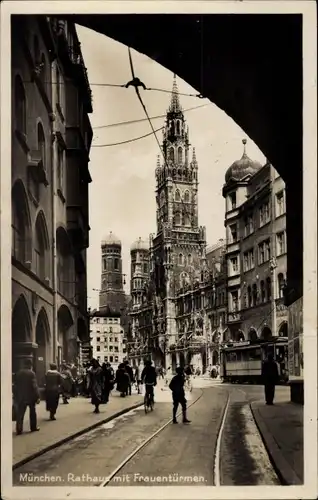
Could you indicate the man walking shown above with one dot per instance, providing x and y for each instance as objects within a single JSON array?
[
  {"x": 270, "y": 378},
  {"x": 26, "y": 393},
  {"x": 178, "y": 396},
  {"x": 130, "y": 373}
]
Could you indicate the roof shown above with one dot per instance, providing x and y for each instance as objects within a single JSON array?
[
  {"x": 139, "y": 245},
  {"x": 111, "y": 239},
  {"x": 242, "y": 167}
]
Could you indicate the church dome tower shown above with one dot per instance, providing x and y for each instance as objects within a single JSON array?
[{"x": 112, "y": 293}]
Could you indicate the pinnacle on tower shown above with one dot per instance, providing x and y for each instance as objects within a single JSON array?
[
  {"x": 175, "y": 104},
  {"x": 194, "y": 157},
  {"x": 158, "y": 161},
  {"x": 244, "y": 141}
]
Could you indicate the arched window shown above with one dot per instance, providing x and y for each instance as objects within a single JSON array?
[
  {"x": 41, "y": 144},
  {"x": 180, "y": 259},
  {"x": 19, "y": 105},
  {"x": 104, "y": 264},
  {"x": 268, "y": 288},
  {"x": 254, "y": 295},
  {"x": 116, "y": 264},
  {"x": 178, "y": 219},
  {"x": 280, "y": 284},
  {"x": 263, "y": 291},
  {"x": 171, "y": 154},
  {"x": 186, "y": 197},
  {"x": 39, "y": 250},
  {"x": 179, "y": 154},
  {"x": 249, "y": 296},
  {"x": 178, "y": 127},
  {"x": 177, "y": 195},
  {"x": 189, "y": 259},
  {"x": 18, "y": 232}
]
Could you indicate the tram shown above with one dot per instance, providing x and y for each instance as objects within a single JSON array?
[{"x": 241, "y": 362}]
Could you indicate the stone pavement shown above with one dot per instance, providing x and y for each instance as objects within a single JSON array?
[
  {"x": 72, "y": 419},
  {"x": 281, "y": 427}
]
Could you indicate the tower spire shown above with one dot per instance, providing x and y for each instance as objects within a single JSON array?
[
  {"x": 244, "y": 141},
  {"x": 175, "y": 104}
]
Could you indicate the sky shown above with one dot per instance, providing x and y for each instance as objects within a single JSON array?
[{"x": 122, "y": 192}]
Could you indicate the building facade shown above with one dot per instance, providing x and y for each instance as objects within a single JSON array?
[
  {"x": 51, "y": 139},
  {"x": 255, "y": 221},
  {"x": 107, "y": 337}
]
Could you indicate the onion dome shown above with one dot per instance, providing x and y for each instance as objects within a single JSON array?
[
  {"x": 139, "y": 245},
  {"x": 111, "y": 239},
  {"x": 243, "y": 167}
]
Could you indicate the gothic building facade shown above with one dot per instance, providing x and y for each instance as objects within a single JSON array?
[{"x": 51, "y": 139}]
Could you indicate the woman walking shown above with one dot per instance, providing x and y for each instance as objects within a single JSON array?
[
  {"x": 108, "y": 382},
  {"x": 67, "y": 383},
  {"x": 53, "y": 383},
  {"x": 96, "y": 384}
]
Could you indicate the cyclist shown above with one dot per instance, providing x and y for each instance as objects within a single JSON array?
[{"x": 149, "y": 378}]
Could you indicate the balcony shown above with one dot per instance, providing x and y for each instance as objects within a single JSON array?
[
  {"x": 36, "y": 167},
  {"x": 234, "y": 317},
  {"x": 76, "y": 226}
]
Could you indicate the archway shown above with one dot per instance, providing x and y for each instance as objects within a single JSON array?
[
  {"x": 21, "y": 223},
  {"x": 21, "y": 334},
  {"x": 42, "y": 336},
  {"x": 252, "y": 334},
  {"x": 266, "y": 333},
  {"x": 240, "y": 336},
  {"x": 283, "y": 329},
  {"x": 67, "y": 344}
]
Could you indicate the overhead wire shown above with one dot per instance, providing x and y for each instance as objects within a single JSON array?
[
  {"x": 152, "y": 128},
  {"x": 124, "y": 142}
]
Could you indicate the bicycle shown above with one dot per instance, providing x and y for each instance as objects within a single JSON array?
[{"x": 148, "y": 399}]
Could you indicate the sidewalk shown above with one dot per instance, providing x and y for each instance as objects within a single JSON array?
[
  {"x": 73, "y": 419},
  {"x": 281, "y": 427}
]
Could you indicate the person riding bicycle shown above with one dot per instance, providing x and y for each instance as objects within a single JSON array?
[{"x": 149, "y": 378}]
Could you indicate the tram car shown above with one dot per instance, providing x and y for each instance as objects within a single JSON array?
[{"x": 241, "y": 362}]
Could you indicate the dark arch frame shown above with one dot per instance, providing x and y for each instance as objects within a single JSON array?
[
  {"x": 252, "y": 334},
  {"x": 266, "y": 333},
  {"x": 283, "y": 329},
  {"x": 20, "y": 204},
  {"x": 20, "y": 311}
]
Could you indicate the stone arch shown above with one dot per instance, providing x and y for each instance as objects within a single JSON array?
[
  {"x": 82, "y": 330},
  {"x": 41, "y": 247},
  {"x": 66, "y": 340},
  {"x": 283, "y": 329},
  {"x": 21, "y": 223},
  {"x": 21, "y": 333},
  {"x": 252, "y": 334},
  {"x": 266, "y": 333},
  {"x": 42, "y": 339}
]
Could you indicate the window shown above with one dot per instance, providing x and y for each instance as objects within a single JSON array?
[
  {"x": 111, "y": 358},
  {"x": 234, "y": 264},
  {"x": 189, "y": 258},
  {"x": 263, "y": 291},
  {"x": 116, "y": 348},
  {"x": 111, "y": 348},
  {"x": 264, "y": 214},
  {"x": 98, "y": 339},
  {"x": 110, "y": 331},
  {"x": 41, "y": 144},
  {"x": 110, "y": 338},
  {"x": 180, "y": 259},
  {"x": 178, "y": 219},
  {"x": 280, "y": 203},
  {"x": 19, "y": 105},
  {"x": 248, "y": 260},
  {"x": 145, "y": 268},
  {"x": 116, "y": 359},
  {"x": 179, "y": 151},
  {"x": 171, "y": 154},
  {"x": 18, "y": 231},
  {"x": 60, "y": 168},
  {"x": 233, "y": 233},
  {"x": 97, "y": 320},
  {"x": 104, "y": 264},
  {"x": 268, "y": 288},
  {"x": 234, "y": 301},
  {"x": 105, "y": 358},
  {"x": 116, "y": 264},
  {"x": 232, "y": 198},
  {"x": 186, "y": 197},
  {"x": 248, "y": 225},
  {"x": 264, "y": 252},
  {"x": 255, "y": 295},
  {"x": 39, "y": 250},
  {"x": 281, "y": 247},
  {"x": 177, "y": 195},
  {"x": 281, "y": 284},
  {"x": 186, "y": 219},
  {"x": 98, "y": 348},
  {"x": 249, "y": 296}
]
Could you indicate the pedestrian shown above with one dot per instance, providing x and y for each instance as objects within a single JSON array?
[
  {"x": 96, "y": 384},
  {"x": 122, "y": 380},
  {"x": 26, "y": 394},
  {"x": 130, "y": 373},
  {"x": 53, "y": 384},
  {"x": 67, "y": 383},
  {"x": 178, "y": 395},
  {"x": 137, "y": 379},
  {"x": 270, "y": 378},
  {"x": 108, "y": 382}
]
